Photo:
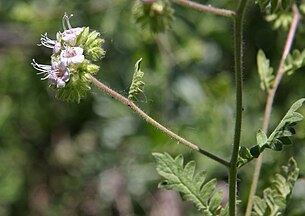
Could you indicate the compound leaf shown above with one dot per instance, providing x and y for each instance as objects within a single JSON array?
[
  {"x": 294, "y": 61},
  {"x": 264, "y": 71},
  {"x": 276, "y": 196},
  {"x": 192, "y": 186},
  {"x": 284, "y": 130},
  {"x": 278, "y": 138}
]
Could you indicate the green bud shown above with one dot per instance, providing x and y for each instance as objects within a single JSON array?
[
  {"x": 91, "y": 38},
  {"x": 92, "y": 68},
  {"x": 95, "y": 53},
  {"x": 97, "y": 42},
  {"x": 83, "y": 37}
]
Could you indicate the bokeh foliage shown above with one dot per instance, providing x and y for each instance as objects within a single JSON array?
[{"x": 58, "y": 158}]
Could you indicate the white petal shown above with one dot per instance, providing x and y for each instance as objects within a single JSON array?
[{"x": 60, "y": 83}]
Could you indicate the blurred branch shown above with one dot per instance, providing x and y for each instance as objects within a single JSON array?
[
  {"x": 9, "y": 37},
  {"x": 270, "y": 99},
  {"x": 150, "y": 120},
  {"x": 207, "y": 9}
]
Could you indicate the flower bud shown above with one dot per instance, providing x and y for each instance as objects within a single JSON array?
[
  {"x": 95, "y": 53},
  {"x": 92, "y": 68},
  {"x": 157, "y": 15}
]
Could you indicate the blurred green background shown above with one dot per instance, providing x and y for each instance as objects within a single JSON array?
[{"x": 94, "y": 158}]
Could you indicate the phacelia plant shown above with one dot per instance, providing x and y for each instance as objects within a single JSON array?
[{"x": 70, "y": 74}]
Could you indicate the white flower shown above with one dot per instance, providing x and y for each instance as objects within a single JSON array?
[
  {"x": 70, "y": 36},
  {"x": 57, "y": 73},
  {"x": 72, "y": 55},
  {"x": 57, "y": 47}
]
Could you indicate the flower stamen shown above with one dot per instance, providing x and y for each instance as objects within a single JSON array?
[{"x": 47, "y": 42}]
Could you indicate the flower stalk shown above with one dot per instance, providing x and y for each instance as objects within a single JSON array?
[{"x": 150, "y": 120}]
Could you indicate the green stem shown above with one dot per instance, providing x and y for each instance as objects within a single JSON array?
[
  {"x": 207, "y": 9},
  {"x": 270, "y": 98},
  {"x": 238, "y": 55},
  {"x": 150, "y": 120}
]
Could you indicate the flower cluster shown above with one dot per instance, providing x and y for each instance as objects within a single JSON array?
[
  {"x": 157, "y": 15},
  {"x": 71, "y": 62}
]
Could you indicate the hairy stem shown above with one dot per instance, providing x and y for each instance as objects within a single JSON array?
[
  {"x": 238, "y": 55},
  {"x": 269, "y": 102},
  {"x": 207, "y": 9},
  {"x": 150, "y": 120}
]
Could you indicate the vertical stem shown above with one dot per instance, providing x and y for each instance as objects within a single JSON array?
[
  {"x": 238, "y": 55},
  {"x": 270, "y": 99}
]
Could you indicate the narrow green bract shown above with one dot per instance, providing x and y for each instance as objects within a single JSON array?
[{"x": 137, "y": 84}]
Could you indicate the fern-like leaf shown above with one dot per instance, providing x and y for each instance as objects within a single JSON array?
[
  {"x": 278, "y": 138},
  {"x": 265, "y": 71},
  {"x": 137, "y": 84},
  {"x": 294, "y": 61},
  {"x": 192, "y": 186},
  {"x": 275, "y": 197}
]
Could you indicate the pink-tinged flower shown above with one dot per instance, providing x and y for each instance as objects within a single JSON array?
[
  {"x": 72, "y": 55},
  {"x": 70, "y": 35},
  {"x": 57, "y": 47},
  {"x": 57, "y": 73}
]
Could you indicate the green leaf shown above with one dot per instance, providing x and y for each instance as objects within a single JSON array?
[
  {"x": 216, "y": 201},
  {"x": 280, "y": 136},
  {"x": 285, "y": 127},
  {"x": 294, "y": 61},
  {"x": 137, "y": 84},
  {"x": 276, "y": 196},
  {"x": 255, "y": 151},
  {"x": 264, "y": 71},
  {"x": 192, "y": 186},
  {"x": 244, "y": 156},
  {"x": 261, "y": 137}
]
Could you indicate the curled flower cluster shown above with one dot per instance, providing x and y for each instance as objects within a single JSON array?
[{"x": 71, "y": 62}]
